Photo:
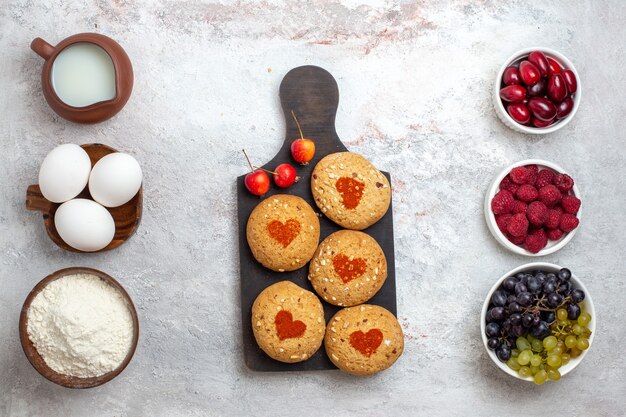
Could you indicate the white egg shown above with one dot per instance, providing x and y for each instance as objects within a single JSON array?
[
  {"x": 84, "y": 224},
  {"x": 64, "y": 173},
  {"x": 115, "y": 179}
]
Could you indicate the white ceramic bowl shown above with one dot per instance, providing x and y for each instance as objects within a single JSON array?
[
  {"x": 586, "y": 306},
  {"x": 501, "y": 111},
  {"x": 553, "y": 245}
]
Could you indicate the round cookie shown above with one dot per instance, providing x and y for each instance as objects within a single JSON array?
[
  {"x": 363, "y": 340},
  {"x": 283, "y": 232},
  {"x": 288, "y": 322},
  {"x": 350, "y": 191},
  {"x": 348, "y": 268}
]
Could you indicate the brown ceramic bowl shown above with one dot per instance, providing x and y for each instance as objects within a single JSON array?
[
  {"x": 96, "y": 112},
  {"x": 126, "y": 217},
  {"x": 37, "y": 361}
]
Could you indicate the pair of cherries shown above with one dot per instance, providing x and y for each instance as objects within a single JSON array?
[
  {"x": 538, "y": 92},
  {"x": 302, "y": 151}
]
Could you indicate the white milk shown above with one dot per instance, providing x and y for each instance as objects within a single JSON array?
[{"x": 83, "y": 74}]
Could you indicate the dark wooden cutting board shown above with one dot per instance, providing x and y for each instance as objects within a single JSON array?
[{"x": 312, "y": 93}]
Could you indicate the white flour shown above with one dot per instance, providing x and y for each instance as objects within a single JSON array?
[{"x": 81, "y": 326}]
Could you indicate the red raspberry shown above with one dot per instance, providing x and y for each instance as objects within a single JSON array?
[
  {"x": 554, "y": 218},
  {"x": 536, "y": 241},
  {"x": 569, "y": 222},
  {"x": 507, "y": 184},
  {"x": 537, "y": 213},
  {"x": 527, "y": 193},
  {"x": 519, "y": 207},
  {"x": 531, "y": 174},
  {"x": 518, "y": 225},
  {"x": 554, "y": 234},
  {"x": 516, "y": 240},
  {"x": 502, "y": 220},
  {"x": 563, "y": 182},
  {"x": 519, "y": 175},
  {"x": 544, "y": 177},
  {"x": 550, "y": 195},
  {"x": 570, "y": 204},
  {"x": 502, "y": 202}
]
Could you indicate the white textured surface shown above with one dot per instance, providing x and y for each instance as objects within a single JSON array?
[{"x": 415, "y": 82}]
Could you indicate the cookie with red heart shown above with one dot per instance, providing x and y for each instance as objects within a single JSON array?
[
  {"x": 288, "y": 322},
  {"x": 363, "y": 340},
  {"x": 283, "y": 232},
  {"x": 348, "y": 268},
  {"x": 349, "y": 190}
]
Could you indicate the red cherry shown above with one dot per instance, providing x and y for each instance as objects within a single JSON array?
[
  {"x": 285, "y": 175},
  {"x": 302, "y": 149},
  {"x": 519, "y": 112},
  {"x": 529, "y": 72},
  {"x": 542, "y": 108},
  {"x": 511, "y": 76},
  {"x": 564, "y": 108},
  {"x": 540, "y": 61},
  {"x": 257, "y": 182},
  {"x": 570, "y": 81},
  {"x": 538, "y": 88},
  {"x": 513, "y": 93},
  {"x": 538, "y": 123},
  {"x": 557, "y": 90},
  {"x": 553, "y": 67}
]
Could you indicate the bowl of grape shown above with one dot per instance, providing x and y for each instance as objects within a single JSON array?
[
  {"x": 538, "y": 322},
  {"x": 537, "y": 91}
]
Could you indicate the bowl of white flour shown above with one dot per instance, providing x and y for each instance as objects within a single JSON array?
[{"x": 79, "y": 328}]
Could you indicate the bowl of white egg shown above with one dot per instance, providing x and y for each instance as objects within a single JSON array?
[{"x": 90, "y": 196}]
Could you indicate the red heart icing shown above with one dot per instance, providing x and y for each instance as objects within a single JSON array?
[
  {"x": 284, "y": 233},
  {"x": 349, "y": 269},
  {"x": 286, "y": 327},
  {"x": 366, "y": 343},
  {"x": 351, "y": 191}
]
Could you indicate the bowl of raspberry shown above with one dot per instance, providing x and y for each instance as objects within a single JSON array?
[
  {"x": 538, "y": 322},
  {"x": 537, "y": 91},
  {"x": 533, "y": 207}
]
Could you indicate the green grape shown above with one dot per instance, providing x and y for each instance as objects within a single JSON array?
[
  {"x": 574, "y": 352},
  {"x": 584, "y": 319},
  {"x": 530, "y": 338},
  {"x": 540, "y": 377},
  {"x": 562, "y": 323},
  {"x": 550, "y": 342},
  {"x": 586, "y": 332},
  {"x": 561, "y": 344},
  {"x": 512, "y": 363},
  {"x": 577, "y": 329},
  {"x": 536, "y": 360},
  {"x": 561, "y": 314},
  {"x": 557, "y": 350},
  {"x": 522, "y": 343},
  {"x": 564, "y": 359},
  {"x": 514, "y": 353},
  {"x": 570, "y": 341},
  {"x": 554, "y": 361},
  {"x": 554, "y": 374},
  {"x": 534, "y": 369},
  {"x": 524, "y": 357},
  {"x": 582, "y": 343},
  {"x": 524, "y": 372},
  {"x": 536, "y": 345}
]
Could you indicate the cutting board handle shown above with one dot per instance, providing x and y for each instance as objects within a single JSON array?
[{"x": 312, "y": 94}]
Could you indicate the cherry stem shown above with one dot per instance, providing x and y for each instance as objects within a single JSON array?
[
  {"x": 248, "y": 159},
  {"x": 266, "y": 170},
  {"x": 298, "y": 124}
]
